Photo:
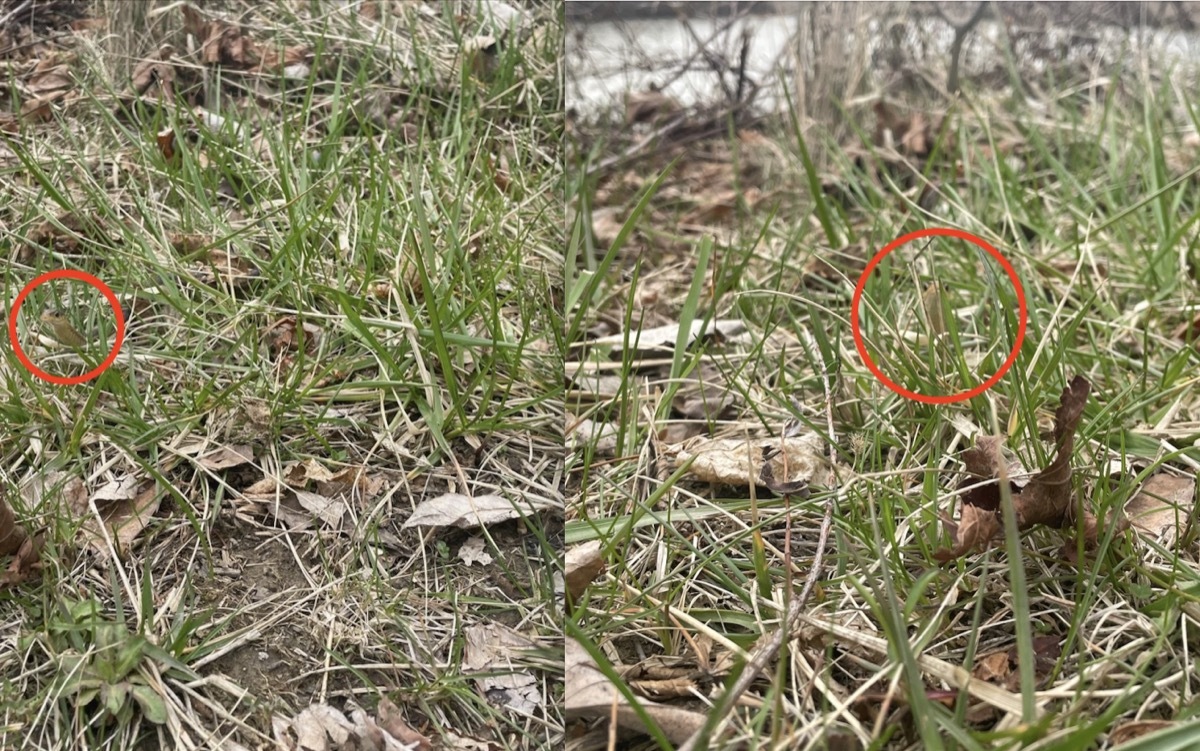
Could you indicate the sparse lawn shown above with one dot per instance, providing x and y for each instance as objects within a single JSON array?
[
  {"x": 1093, "y": 197},
  {"x": 343, "y": 303}
]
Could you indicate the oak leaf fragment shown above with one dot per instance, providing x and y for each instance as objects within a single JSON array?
[{"x": 1047, "y": 499}]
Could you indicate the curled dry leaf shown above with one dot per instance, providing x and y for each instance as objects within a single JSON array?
[
  {"x": 125, "y": 507},
  {"x": 664, "y": 337},
  {"x": 1047, "y": 499},
  {"x": 287, "y": 334},
  {"x": 226, "y": 457},
  {"x": 391, "y": 720},
  {"x": 590, "y": 695},
  {"x": 156, "y": 70},
  {"x": 320, "y": 727},
  {"x": 583, "y": 563},
  {"x": 465, "y": 512},
  {"x": 222, "y": 43},
  {"x": 25, "y": 563},
  {"x": 741, "y": 463},
  {"x": 1001, "y": 668},
  {"x": 15, "y": 541},
  {"x": 12, "y": 535},
  {"x": 1128, "y": 731}
]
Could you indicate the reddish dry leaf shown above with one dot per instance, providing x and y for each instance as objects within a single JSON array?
[
  {"x": 38, "y": 110},
  {"x": 12, "y": 535},
  {"x": 166, "y": 144},
  {"x": 26, "y": 563},
  {"x": 64, "y": 233},
  {"x": 156, "y": 70},
  {"x": 1047, "y": 499},
  {"x": 185, "y": 244},
  {"x": 393, "y": 723},
  {"x": 287, "y": 335},
  {"x": 993, "y": 668}
]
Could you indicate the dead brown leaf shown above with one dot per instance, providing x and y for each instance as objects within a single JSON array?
[
  {"x": 993, "y": 668},
  {"x": 25, "y": 563},
  {"x": 1128, "y": 731},
  {"x": 288, "y": 335},
  {"x": 38, "y": 109},
  {"x": 590, "y": 694},
  {"x": 226, "y": 457},
  {"x": 51, "y": 74},
  {"x": 352, "y": 482},
  {"x": 391, "y": 720},
  {"x": 222, "y": 43},
  {"x": 1163, "y": 507},
  {"x": 740, "y": 463},
  {"x": 12, "y": 535},
  {"x": 156, "y": 70},
  {"x": 488, "y": 657},
  {"x": 320, "y": 727},
  {"x": 1000, "y": 667},
  {"x": 125, "y": 506},
  {"x": 1048, "y": 498},
  {"x": 581, "y": 565},
  {"x": 225, "y": 267},
  {"x": 465, "y": 512}
]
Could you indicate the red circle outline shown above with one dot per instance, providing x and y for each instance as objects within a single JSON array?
[
  {"x": 80, "y": 276},
  {"x": 1023, "y": 315}
]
